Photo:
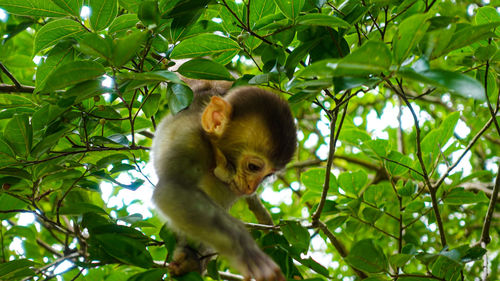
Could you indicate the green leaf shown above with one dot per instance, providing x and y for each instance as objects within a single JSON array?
[
  {"x": 297, "y": 235},
  {"x": 71, "y": 74},
  {"x": 203, "y": 45},
  {"x": 408, "y": 189},
  {"x": 297, "y": 55},
  {"x": 314, "y": 265},
  {"x": 260, "y": 9},
  {"x": 151, "y": 104},
  {"x": 103, "y": 12},
  {"x": 123, "y": 23},
  {"x": 191, "y": 276},
  {"x": 399, "y": 260},
  {"x": 486, "y": 14},
  {"x": 468, "y": 35},
  {"x": 119, "y": 139},
  {"x": 125, "y": 249},
  {"x": 149, "y": 13},
  {"x": 136, "y": 80},
  {"x": 367, "y": 256},
  {"x": 115, "y": 158},
  {"x": 8, "y": 202},
  {"x": 314, "y": 179},
  {"x": 322, "y": 20},
  {"x": 21, "y": 231},
  {"x": 436, "y": 139},
  {"x": 379, "y": 194},
  {"x": 185, "y": 13},
  {"x": 62, "y": 53},
  {"x": 290, "y": 8},
  {"x": 126, "y": 47},
  {"x": 371, "y": 214},
  {"x": 373, "y": 57},
  {"x": 73, "y": 7},
  {"x": 458, "y": 83},
  {"x": 37, "y": 8},
  {"x": 473, "y": 254},
  {"x": 406, "y": 278},
  {"x": 394, "y": 167},
  {"x": 204, "y": 69},
  {"x": 106, "y": 112},
  {"x": 446, "y": 268},
  {"x": 336, "y": 222},
  {"x": 323, "y": 68},
  {"x": 345, "y": 82},
  {"x": 87, "y": 89},
  {"x": 16, "y": 269},
  {"x": 149, "y": 275},
  {"x": 212, "y": 270},
  {"x": 19, "y": 134},
  {"x": 47, "y": 143},
  {"x": 170, "y": 239},
  {"x": 16, "y": 172},
  {"x": 80, "y": 208},
  {"x": 96, "y": 46},
  {"x": 377, "y": 149},
  {"x": 179, "y": 97},
  {"x": 353, "y": 182},
  {"x": 301, "y": 96},
  {"x": 459, "y": 196},
  {"x": 56, "y": 31},
  {"x": 354, "y": 136},
  {"x": 410, "y": 32},
  {"x": 121, "y": 230}
]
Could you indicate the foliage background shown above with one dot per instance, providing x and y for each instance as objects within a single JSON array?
[{"x": 414, "y": 200}]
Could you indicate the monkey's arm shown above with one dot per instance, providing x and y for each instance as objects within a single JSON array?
[{"x": 195, "y": 214}]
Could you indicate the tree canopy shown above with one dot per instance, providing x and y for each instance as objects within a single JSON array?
[{"x": 396, "y": 175}]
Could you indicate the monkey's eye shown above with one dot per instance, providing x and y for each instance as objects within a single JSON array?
[{"x": 253, "y": 167}]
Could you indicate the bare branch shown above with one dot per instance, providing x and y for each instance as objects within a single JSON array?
[
  {"x": 11, "y": 77},
  {"x": 4, "y": 88},
  {"x": 261, "y": 213},
  {"x": 473, "y": 141},
  {"x": 485, "y": 234}
]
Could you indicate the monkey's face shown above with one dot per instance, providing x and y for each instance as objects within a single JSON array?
[{"x": 250, "y": 171}]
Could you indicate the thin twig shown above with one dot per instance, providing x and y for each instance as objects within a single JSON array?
[
  {"x": 59, "y": 203},
  {"x": 469, "y": 146},
  {"x": 4, "y": 88},
  {"x": 317, "y": 214},
  {"x": 11, "y": 77},
  {"x": 485, "y": 234},
  {"x": 91, "y": 149}
]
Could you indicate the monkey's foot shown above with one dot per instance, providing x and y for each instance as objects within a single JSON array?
[{"x": 185, "y": 260}]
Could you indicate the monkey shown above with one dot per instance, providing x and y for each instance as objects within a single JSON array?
[{"x": 206, "y": 157}]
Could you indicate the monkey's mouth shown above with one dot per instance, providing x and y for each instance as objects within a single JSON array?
[{"x": 240, "y": 190}]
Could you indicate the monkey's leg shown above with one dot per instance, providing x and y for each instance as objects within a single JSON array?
[{"x": 194, "y": 213}]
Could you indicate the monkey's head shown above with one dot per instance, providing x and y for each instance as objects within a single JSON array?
[{"x": 253, "y": 133}]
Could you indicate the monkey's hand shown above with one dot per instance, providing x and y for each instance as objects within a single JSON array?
[
  {"x": 259, "y": 266},
  {"x": 185, "y": 260}
]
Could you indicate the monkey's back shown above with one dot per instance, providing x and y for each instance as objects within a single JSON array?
[{"x": 178, "y": 143}]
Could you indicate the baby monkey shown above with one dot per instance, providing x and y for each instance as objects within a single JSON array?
[{"x": 207, "y": 156}]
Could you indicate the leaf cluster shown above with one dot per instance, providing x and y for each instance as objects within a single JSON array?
[{"x": 395, "y": 177}]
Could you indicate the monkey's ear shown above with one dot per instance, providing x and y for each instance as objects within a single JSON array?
[{"x": 216, "y": 116}]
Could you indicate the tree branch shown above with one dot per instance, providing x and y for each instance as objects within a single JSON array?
[
  {"x": 261, "y": 213},
  {"x": 485, "y": 234},
  {"x": 4, "y": 88}
]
